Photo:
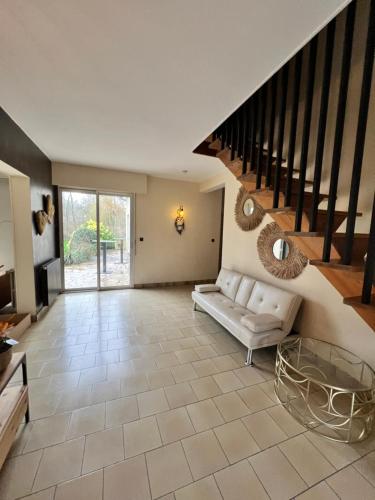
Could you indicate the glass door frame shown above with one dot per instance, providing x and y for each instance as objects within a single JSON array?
[{"x": 97, "y": 193}]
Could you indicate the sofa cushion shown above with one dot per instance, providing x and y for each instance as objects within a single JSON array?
[
  {"x": 268, "y": 299},
  {"x": 203, "y": 288},
  {"x": 244, "y": 291},
  {"x": 259, "y": 323},
  {"x": 228, "y": 281}
]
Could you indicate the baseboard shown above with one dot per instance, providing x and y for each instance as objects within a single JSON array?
[{"x": 173, "y": 283}]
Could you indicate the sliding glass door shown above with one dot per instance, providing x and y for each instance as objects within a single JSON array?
[{"x": 96, "y": 240}]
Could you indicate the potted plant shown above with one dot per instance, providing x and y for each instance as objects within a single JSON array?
[{"x": 6, "y": 344}]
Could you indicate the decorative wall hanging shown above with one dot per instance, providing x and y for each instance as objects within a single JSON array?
[
  {"x": 42, "y": 217},
  {"x": 248, "y": 213},
  {"x": 179, "y": 223},
  {"x": 278, "y": 253}
]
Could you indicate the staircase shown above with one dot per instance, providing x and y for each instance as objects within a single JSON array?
[{"x": 255, "y": 146}]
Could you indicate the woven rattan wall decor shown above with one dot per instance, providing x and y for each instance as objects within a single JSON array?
[
  {"x": 278, "y": 254},
  {"x": 248, "y": 213}
]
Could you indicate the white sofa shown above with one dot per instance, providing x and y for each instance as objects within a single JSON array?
[{"x": 256, "y": 313}]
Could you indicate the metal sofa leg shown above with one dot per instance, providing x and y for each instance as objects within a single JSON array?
[
  {"x": 249, "y": 361},
  {"x": 195, "y": 306}
]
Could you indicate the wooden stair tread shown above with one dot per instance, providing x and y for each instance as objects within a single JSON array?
[
  {"x": 337, "y": 264},
  {"x": 357, "y": 302}
]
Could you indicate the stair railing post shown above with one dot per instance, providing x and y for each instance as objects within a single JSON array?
[
  {"x": 340, "y": 120},
  {"x": 262, "y": 115},
  {"x": 360, "y": 136},
  {"x": 245, "y": 140},
  {"x": 254, "y": 132},
  {"x": 271, "y": 130},
  {"x": 369, "y": 274}
]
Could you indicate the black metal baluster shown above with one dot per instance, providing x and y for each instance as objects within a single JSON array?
[
  {"x": 271, "y": 130},
  {"x": 245, "y": 140},
  {"x": 340, "y": 119},
  {"x": 254, "y": 131},
  {"x": 293, "y": 127},
  {"x": 280, "y": 138},
  {"x": 361, "y": 136},
  {"x": 239, "y": 132},
  {"x": 306, "y": 132},
  {"x": 263, "y": 108},
  {"x": 368, "y": 278},
  {"x": 320, "y": 141},
  {"x": 232, "y": 137}
]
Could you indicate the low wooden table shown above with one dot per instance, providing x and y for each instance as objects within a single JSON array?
[{"x": 14, "y": 404}]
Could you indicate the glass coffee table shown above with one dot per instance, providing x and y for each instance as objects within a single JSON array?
[{"x": 326, "y": 388}]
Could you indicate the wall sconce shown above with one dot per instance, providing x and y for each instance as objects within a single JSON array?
[{"x": 179, "y": 223}]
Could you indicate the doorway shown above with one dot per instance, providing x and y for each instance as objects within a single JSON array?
[{"x": 96, "y": 240}]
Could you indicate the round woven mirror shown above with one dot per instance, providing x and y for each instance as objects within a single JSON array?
[
  {"x": 278, "y": 254},
  {"x": 249, "y": 214}
]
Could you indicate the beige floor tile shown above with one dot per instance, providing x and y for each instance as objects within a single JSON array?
[
  {"x": 86, "y": 421},
  {"x": 249, "y": 376},
  {"x": 349, "y": 484},
  {"x": 180, "y": 395},
  {"x": 167, "y": 469},
  {"x": 366, "y": 466},
  {"x": 174, "y": 425},
  {"x": 93, "y": 375},
  {"x": 187, "y": 355},
  {"x": 205, "y": 489},
  {"x": 160, "y": 378},
  {"x": 152, "y": 402},
  {"x": 82, "y": 362},
  {"x": 225, "y": 363},
  {"x": 183, "y": 373},
  {"x": 60, "y": 463},
  {"x": 72, "y": 400},
  {"x": 140, "y": 436},
  {"x": 228, "y": 381},
  {"x": 306, "y": 459},
  {"x": 231, "y": 406},
  {"x": 236, "y": 441},
  {"x": 63, "y": 381},
  {"x": 83, "y": 488},
  {"x": 42, "y": 495},
  {"x": 204, "y": 454},
  {"x": 204, "y": 415},
  {"x": 116, "y": 371},
  {"x": 239, "y": 482},
  {"x": 321, "y": 492},
  {"x": 105, "y": 391},
  {"x": 205, "y": 388},
  {"x": 205, "y": 351},
  {"x": 103, "y": 448},
  {"x": 134, "y": 384},
  {"x": 47, "y": 431},
  {"x": 285, "y": 421},
  {"x": 204, "y": 367},
  {"x": 167, "y": 360},
  {"x": 255, "y": 398},
  {"x": 121, "y": 411},
  {"x": 17, "y": 475},
  {"x": 338, "y": 454},
  {"x": 278, "y": 477},
  {"x": 106, "y": 357},
  {"x": 269, "y": 388},
  {"x": 127, "y": 480},
  {"x": 264, "y": 429}
]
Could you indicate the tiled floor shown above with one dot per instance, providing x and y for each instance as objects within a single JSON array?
[{"x": 135, "y": 396}]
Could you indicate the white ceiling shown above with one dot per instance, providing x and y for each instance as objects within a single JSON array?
[{"x": 136, "y": 85}]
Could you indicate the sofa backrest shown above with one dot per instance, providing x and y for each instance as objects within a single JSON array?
[
  {"x": 228, "y": 281},
  {"x": 269, "y": 299},
  {"x": 244, "y": 290}
]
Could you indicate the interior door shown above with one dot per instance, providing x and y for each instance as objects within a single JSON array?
[{"x": 115, "y": 240}]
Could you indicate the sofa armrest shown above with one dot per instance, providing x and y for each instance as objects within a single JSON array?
[
  {"x": 207, "y": 288},
  {"x": 259, "y": 323}
]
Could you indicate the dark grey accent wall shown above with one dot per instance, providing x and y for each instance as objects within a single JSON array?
[{"x": 20, "y": 152}]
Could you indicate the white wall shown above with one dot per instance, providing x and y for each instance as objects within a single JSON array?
[
  {"x": 6, "y": 226},
  {"x": 323, "y": 313},
  {"x": 164, "y": 255}
]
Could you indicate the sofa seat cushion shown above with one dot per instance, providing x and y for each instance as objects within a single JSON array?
[
  {"x": 204, "y": 288},
  {"x": 228, "y": 281},
  {"x": 259, "y": 323},
  {"x": 229, "y": 315}
]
